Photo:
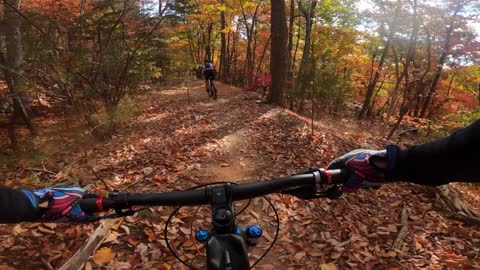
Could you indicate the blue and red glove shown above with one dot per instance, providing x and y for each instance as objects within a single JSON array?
[
  {"x": 368, "y": 168},
  {"x": 59, "y": 204}
]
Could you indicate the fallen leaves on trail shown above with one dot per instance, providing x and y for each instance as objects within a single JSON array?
[
  {"x": 103, "y": 256},
  {"x": 164, "y": 148},
  {"x": 328, "y": 266}
]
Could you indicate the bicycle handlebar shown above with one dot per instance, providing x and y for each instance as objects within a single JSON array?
[{"x": 312, "y": 180}]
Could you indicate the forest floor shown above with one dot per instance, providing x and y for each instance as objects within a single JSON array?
[{"x": 180, "y": 138}]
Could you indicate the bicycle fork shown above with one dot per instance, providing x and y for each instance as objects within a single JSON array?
[{"x": 226, "y": 243}]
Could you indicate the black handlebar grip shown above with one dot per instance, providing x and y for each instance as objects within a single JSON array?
[
  {"x": 99, "y": 204},
  {"x": 89, "y": 205},
  {"x": 337, "y": 176}
]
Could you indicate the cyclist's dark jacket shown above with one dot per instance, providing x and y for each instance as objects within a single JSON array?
[
  {"x": 453, "y": 158},
  {"x": 209, "y": 71},
  {"x": 15, "y": 207}
]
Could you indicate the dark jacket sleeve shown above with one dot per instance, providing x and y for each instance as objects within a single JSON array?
[
  {"x": 455, "y": 158},
  {"x": 15, "y": 207}
]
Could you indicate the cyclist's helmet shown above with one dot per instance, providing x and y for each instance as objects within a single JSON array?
[{"x": 207, "y": 61}]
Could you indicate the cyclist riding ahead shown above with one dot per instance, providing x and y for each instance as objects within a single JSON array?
[{"x": 208, "y": 73}]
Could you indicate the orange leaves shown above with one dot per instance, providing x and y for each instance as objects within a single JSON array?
[
  {"x": 328, "y": 266},
  {"x": 150, "y": 234},
  {"x": 103, "y": 256}
]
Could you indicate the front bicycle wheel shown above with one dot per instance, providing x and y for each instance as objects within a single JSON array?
[
  {"x": 214, "y": 91},
  {"x": 210, "y": 88}
]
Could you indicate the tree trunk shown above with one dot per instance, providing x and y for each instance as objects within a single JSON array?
[
  {"x": 290, "y": 39},
  {"x": 420, "y": 87},
  {"x": 291, "y": 88},
  {"x": 370, "y": 108},
  {"x": 478, "y": 94},
  {"x": 372, "y": 84},
  {"x": 304, "y": 71},
  {"x": 441, "y": 60},
  {"x": 250, "y": 30},
  {"x": 278, "y": 52},
  {"x": 409, "y": 59},
  {"x": 234, "y": 55},
  {"x": 254, "y": 48},
  {"x": 223, "y": 50},
  {"x": 208, "y": 49},
  {"x": 410, "y": 55},
  {"x": 297, "y": 43},
  {"x": 393, "y": 96},
  {"x": 259, "y": 67},
  {"x": 12, "y": 62}
]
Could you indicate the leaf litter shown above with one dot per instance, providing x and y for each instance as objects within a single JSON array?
[{"x": 164, "y": 148}]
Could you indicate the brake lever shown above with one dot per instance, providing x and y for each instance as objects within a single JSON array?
[
  {"x": 332, "y": 193},
  {"x": 121, "y": 211}
]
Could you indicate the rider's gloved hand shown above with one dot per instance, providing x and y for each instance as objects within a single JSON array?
[
  {"x": 59, "y": 204},
  {"x": 368, "y": 168}
]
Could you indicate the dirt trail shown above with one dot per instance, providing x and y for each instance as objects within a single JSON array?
[
  {"x": 181, "y": 138},
  {"x": 233, "y": 166}
]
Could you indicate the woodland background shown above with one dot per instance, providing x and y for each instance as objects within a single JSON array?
[
  {"x": 394, "y": 61},
  {"x": 105, "y": 93}
]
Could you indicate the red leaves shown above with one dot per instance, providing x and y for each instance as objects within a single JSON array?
[{"x": 256, "y": 81}]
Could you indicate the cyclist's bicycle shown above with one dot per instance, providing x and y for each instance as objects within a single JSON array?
[
  {"x": 226, "y": 243},
  {"x": 212, "y": 89}
]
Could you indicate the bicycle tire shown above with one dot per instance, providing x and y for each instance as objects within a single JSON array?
[{"x": 214, "y": 91}]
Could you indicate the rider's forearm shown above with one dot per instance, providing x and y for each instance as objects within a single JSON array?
[
  {"x": 450, "y": 159},
  {"x": 16, "y": 207}
]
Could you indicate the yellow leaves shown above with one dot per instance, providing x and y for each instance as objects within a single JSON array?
[
  {"x": 164, "y": 266},
  {"x": 328, "y": 266},
  {"x": 211, "y": 9},
  {"x": 389, "y": 254},
  {"x": 225, "y": 30},
  {"x": 18, "y": 229},
  {"x": 103, "y": 256},
  {"x": 88, "y": 266},
  {"x": 222, "y": 7}
]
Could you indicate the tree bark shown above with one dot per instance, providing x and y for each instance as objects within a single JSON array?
[
  {"x": 420, "y": 87},
  {"x": 278, "y": 52},
  {"x": 208, "y": 49},
  {"x": 304, "y": 71},
  {"x": 410, "y": 55},
  {"x": 259, "y": 67},
  {"x": 409, "y": 59},
  {"x": 370, "y": 108},
  {"x": 290, "y": 39},
  {"x": 443, "y": 57},
  {"x": 250, "y": 30},
  {"x": 12, "y": 63},
  {"x": 372, "y": 84},
  {"x": 297, "y": 43},
  {"x": 223, "y": 50}
]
